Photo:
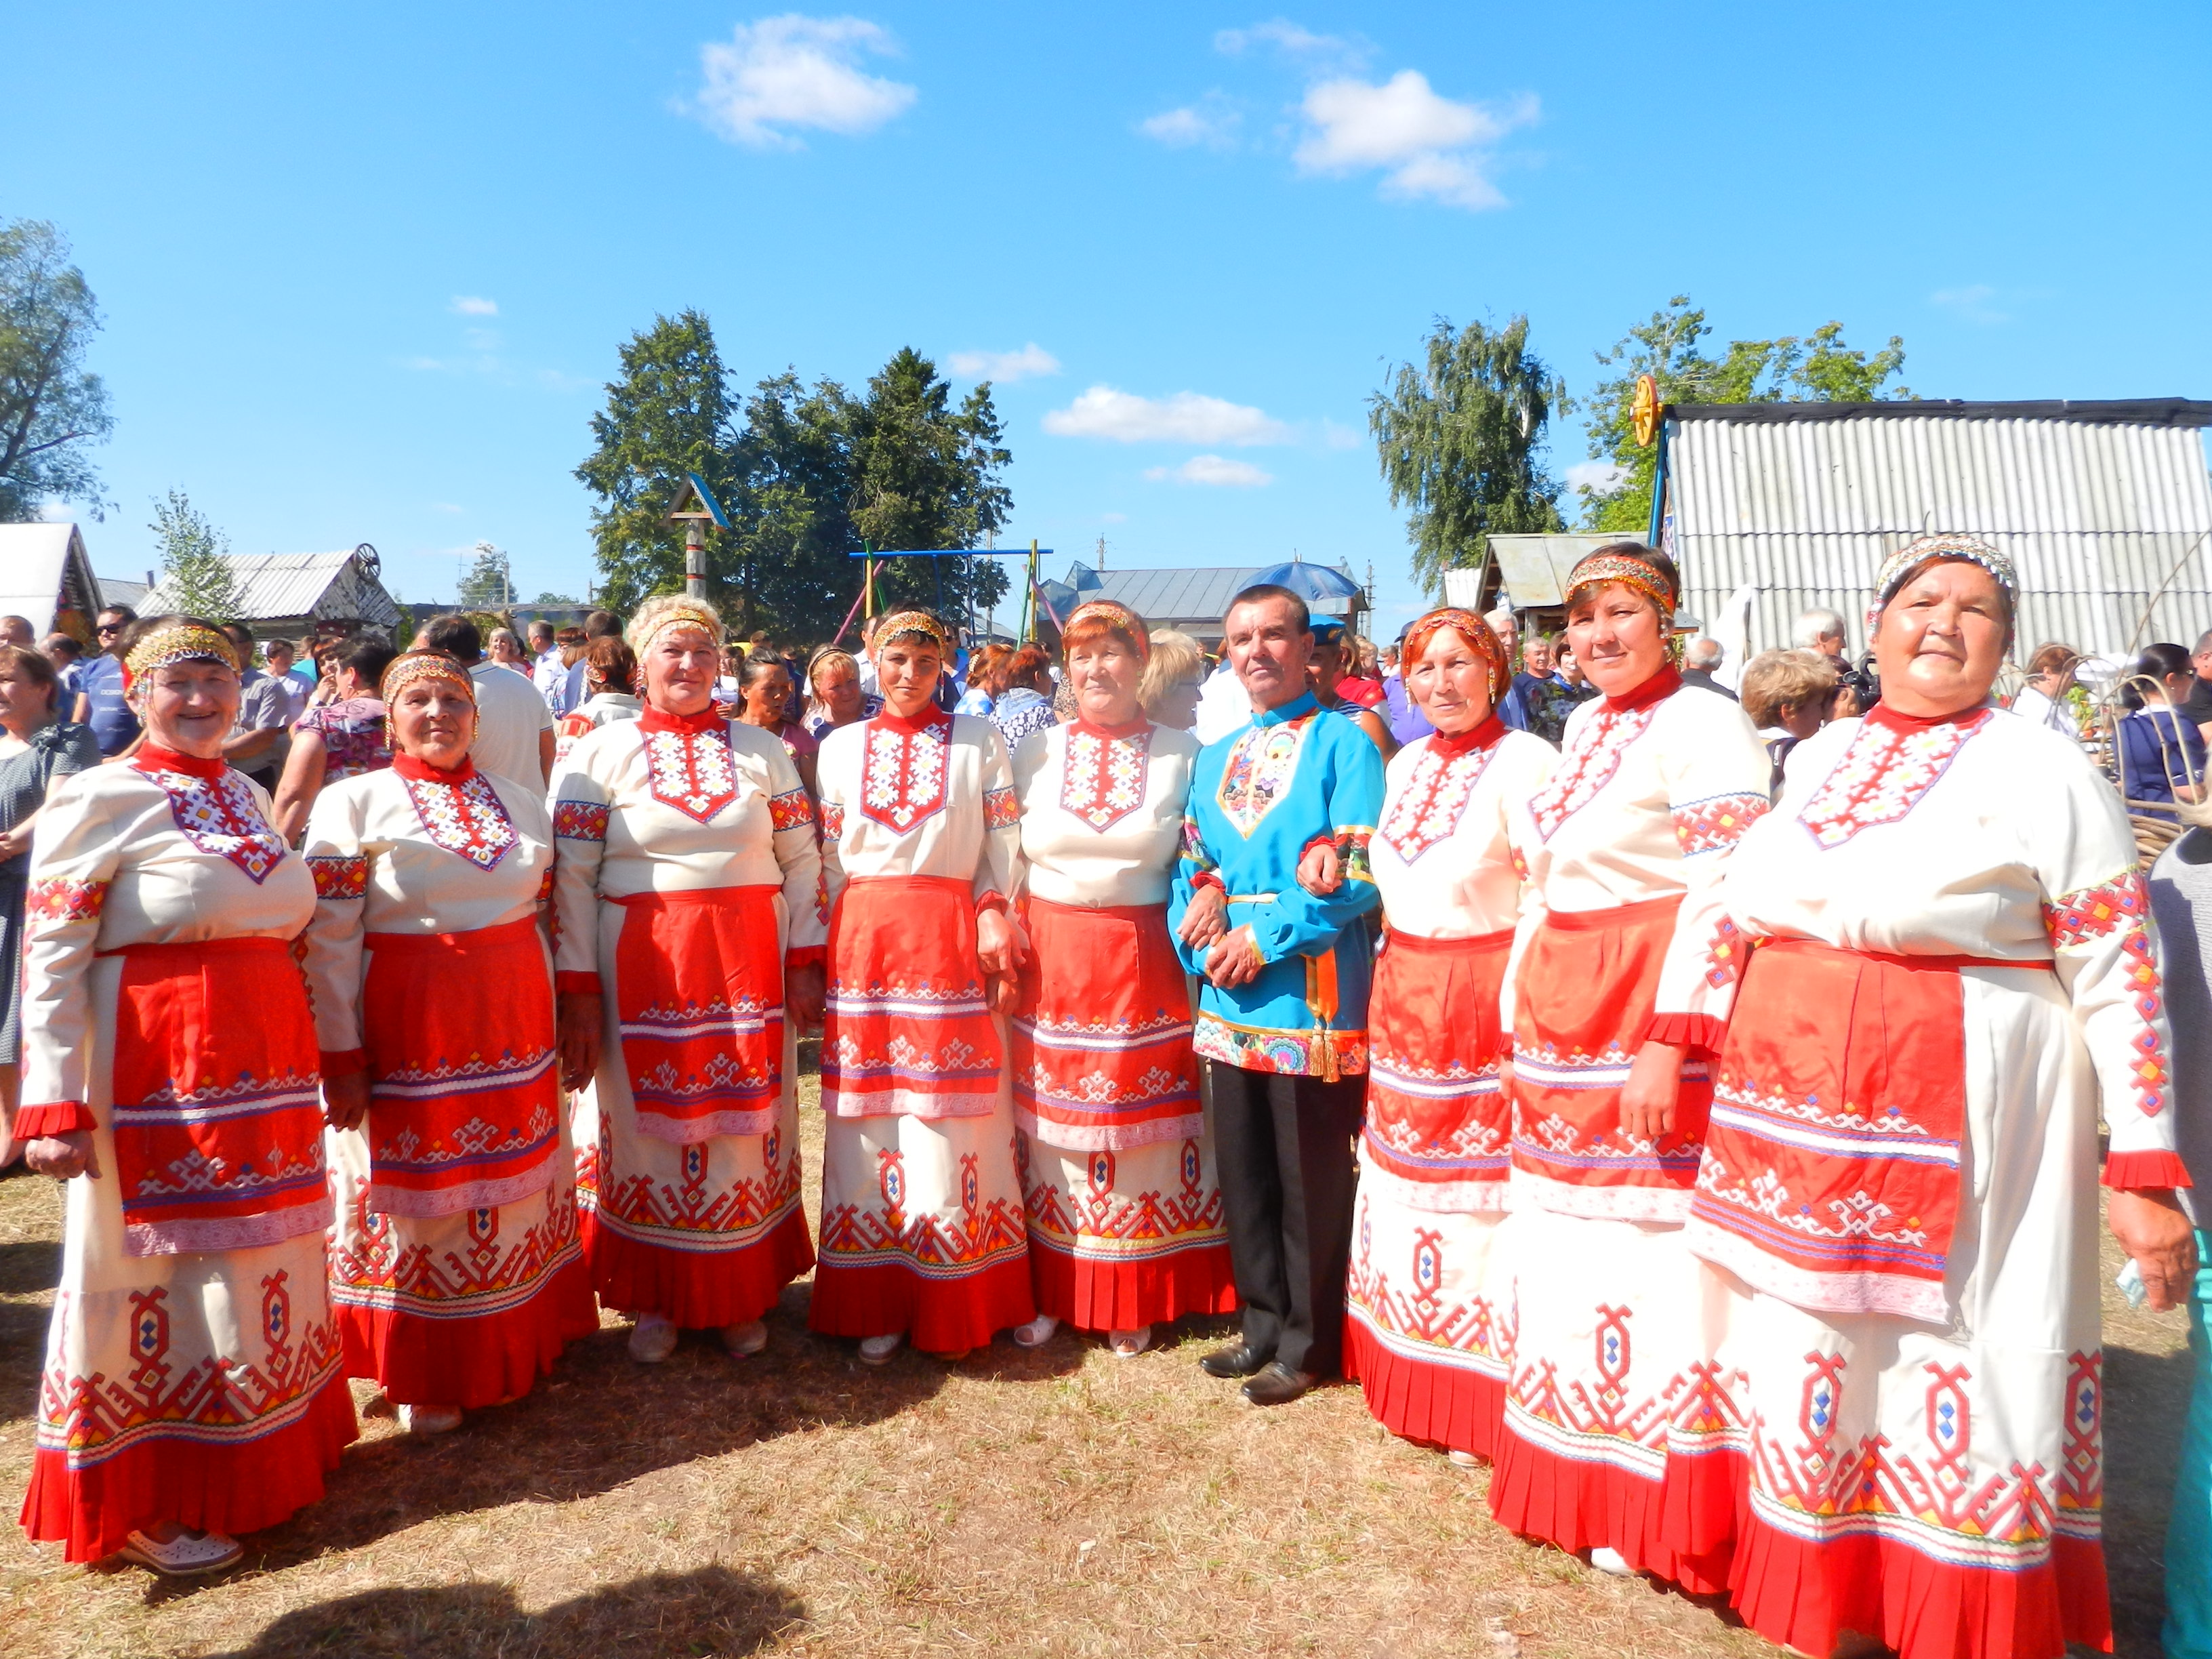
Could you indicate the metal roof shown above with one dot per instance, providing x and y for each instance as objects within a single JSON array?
[
  {"x": 288, "y": 586},
  {"x": 2109, "y": 519},
  {"x": 2132, "y": 411},
  {"x": 1192, "y": 598}
]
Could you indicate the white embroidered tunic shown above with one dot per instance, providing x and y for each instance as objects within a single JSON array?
[
  {"x": 898, "y": 799},
  {"x": 1101, "y": 813}
]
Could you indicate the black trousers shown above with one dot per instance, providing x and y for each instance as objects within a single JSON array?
[{"x": 1285, "y": 1146}]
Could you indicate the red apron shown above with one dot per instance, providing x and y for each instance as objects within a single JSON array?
[
  {"x": 908, "y": 1030},
  {"x": 1436, "y": 1117},
  {"x": 699, "y": 979}
]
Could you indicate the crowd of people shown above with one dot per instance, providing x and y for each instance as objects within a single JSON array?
[{"x": 1684, "y": 1100}]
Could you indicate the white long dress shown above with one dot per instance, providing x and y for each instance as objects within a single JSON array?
[
  {"x": 922, "y": 1229},
  {"x": 192, "y": 1369},
  {"x": 1899, "y": 1194}
]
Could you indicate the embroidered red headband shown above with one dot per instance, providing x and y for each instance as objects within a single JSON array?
[
  {"x": 1115, "y": 616},
  {"x": 412, "y": 665},
  {"x": 1479, "y": 639},
  {"x": 1611, "y": 565},
  {"x": 187, "y": 642}
]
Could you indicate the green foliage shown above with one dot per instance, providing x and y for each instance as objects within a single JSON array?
[
  {"x": 196, "y": 575},
  {"x": 549, "y": 600},
  {"x": 1457, "y": 439},
  {"x": 1817, "y": 367},
  {"x": 51, "y": 407},
  {"x": 490, "y": 584},
  {"x": 811, "y": 475}
]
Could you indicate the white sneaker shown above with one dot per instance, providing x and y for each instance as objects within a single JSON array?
[
  {"x": 187, "y": 1553},
  {"x": 1465, "y": 1459},
  {"x": 1036, "y": 1332},
  {"x": 429, "y": 1419},
  {"x": 745, "y": 1341},
  {"x": 652, "y": 1338},
  {"x": 1127, "y": 1344},
  {"x": 1607, "y": 1560},
  {"x": 878, "y": 1350}
]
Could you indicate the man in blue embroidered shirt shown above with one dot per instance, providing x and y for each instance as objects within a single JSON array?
[{"x": 1281, "y": 1022}]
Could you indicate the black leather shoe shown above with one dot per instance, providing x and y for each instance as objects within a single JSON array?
[
  {"x": 1277, "y": 1384},
  {"x": 1240, "y": 1359}
]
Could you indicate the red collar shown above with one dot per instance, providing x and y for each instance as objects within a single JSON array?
[
  {"x": 152, "y": 758},
  {"x": 929, "y": 717},
  {"x": 659, "y": 720},
  {"x": 1480, "y": 737},
  {"x": 1135, "y": 728},
  {"x": 1661, "y": 685},
  {"x": 1896, "y": 721},
  {"x": 420, "y": 771}
]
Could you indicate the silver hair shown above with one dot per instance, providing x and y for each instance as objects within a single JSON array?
[
  {"x": 1817, "y": 624},
  {"x": 1704, "y": 653}
]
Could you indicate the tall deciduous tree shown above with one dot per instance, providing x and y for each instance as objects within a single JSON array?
[
  {"x": 490, "y": 584},
  {"x": 668, "y": 415},
  {"x": 51, "y": 407},
  {"x": 1817, "y": 367},
  {"x": 196, "y": 575},
  {"x": 1458, "y": 436}
]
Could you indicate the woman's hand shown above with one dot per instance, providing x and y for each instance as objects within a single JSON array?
[
  {"x": 2155, "y": 1233},
  {"x": 1646, "y": 1099},
  {"x": 345, "y": 1100},
  {"x": 580, "y": 1030},
  {"x": 804, "y": 995},
  {"x": 62, "y": 1156},
  {"x": 1320, "y": 872},
  {"x": 1234, "y": 960},
  {"x": 994, "y": 943},
  {"x": 1206, "y": 920}
]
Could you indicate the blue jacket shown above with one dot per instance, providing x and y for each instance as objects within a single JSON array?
[{"x": 1259, "y": 798}]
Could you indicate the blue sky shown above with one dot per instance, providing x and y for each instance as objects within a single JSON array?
[{"x": 365, "y": 274}]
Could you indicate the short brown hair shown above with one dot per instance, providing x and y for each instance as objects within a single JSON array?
[
  {"x": 612, "y": 665},
  {"x": 1029, "y": 666},
  {"x": 2050, "y": 658},
  {"x": 32, "y": 664},
  {"x": 1774, "y": 679}
]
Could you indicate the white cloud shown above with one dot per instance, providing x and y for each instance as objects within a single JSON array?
[
  {"x": 1217, "y": 470},
  {"x": 1004, "y": 367},
  {"x": 1601, "y": 477},
  {"x": 1335, "y": 435},
  {"x": 1292, "y": 41},
  {"x": 471, "y": 305},
  {"x": 1188, "y": 417},
  {"x": 1425, "y": 145},
  {"x": 1113, "y": 518},
  {"x": 1212, "y": 122},
  {"x": 795, "y": 72},
  {"x": 1971, "y": 303}
]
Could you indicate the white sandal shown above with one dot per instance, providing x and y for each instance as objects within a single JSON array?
[
  {"x": 186, "y": 1554},
  {"x": 1127, "y": 1344},
  {"x": 1036, "y": 1332},
  {"x": 424, "y": 1420},
  {"x": 652, "y": 1338},
  {"x": 744, "y": 1341},
  {"x": 878, "y": 1350}
]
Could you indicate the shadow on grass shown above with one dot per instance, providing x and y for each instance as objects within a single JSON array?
[
  {"x": 2146, "y": 1404},
  {"x": 29, "y": 1266},
  {"x": 710, "y": 1610}
]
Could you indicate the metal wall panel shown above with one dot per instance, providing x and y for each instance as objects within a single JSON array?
[{"x": 2098, "y": 518}]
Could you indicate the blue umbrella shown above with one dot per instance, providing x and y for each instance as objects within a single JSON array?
[{"x": 1309, "y": 581}]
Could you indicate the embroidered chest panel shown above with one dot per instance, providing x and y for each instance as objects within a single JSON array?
[
  {"x": 1259, "y": 772},
  {"x": 1882, "y": 776},
  {"x": 1103, "y": 780},
  {"x": 219, "y": 815},
  {"x": 903, "y": 774},
  {"x": 464, "y": 817},
  {"x": 693, "y": 772},
  {"x": 1588, "y": 766},
  {"x": 1429, "y": 808}
]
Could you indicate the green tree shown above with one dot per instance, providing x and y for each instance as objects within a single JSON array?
[
  {"x": 51, "y": 406},
  {"x": 1817, "y": 367},
  {"x": 490, "y": 585},
  {"x": 792, "y": 525},
  {"x": 196, "y": 574},
  {"x": 1457, "y": 438},
  {"x": 668, "y": 415}
]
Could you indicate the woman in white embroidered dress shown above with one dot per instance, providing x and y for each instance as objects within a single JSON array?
[
  {"x": 455, "y": 1266},
  {"x": 1124, "y": 1218},
  {"x": 1953, "y": 966},
  {"x": 1620, "y": 1002},
  {"x": 1430, "y": 1298},
  {"x": 687, "y": 895},
  {"x": 193, "y": 1385},
  {"x": 922, "y": 1232}
]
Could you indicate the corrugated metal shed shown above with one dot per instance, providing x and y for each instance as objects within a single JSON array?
[
  {"x": 281, "y": 589},
  {"x": 2106, "y": 507},
  {"x": 1192, "y": 598}
]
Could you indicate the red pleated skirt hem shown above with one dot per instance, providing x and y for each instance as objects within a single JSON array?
[
  {"x": 1098, "y": 1294},
  {"x": 235, "y": 1489},
  {"x": 1807, "y": 1594},
  {"x": 469, "y": 1362},
  {"x": 698, "y": 1290},
  {"x": 938, "y": 1315},
  {"x": 1452, "y": 1407},
  {"x": 1580, "y": 1505}
]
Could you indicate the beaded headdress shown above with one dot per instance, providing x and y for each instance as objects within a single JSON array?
[
  {"x": 1614, "y": 564},
  {"x": 920, "y": 623},
  {"x": 186, "y": 643},
  {"x": 681, "y": 615},
  {"x": 1115, "y": 616},
  {"x": 412, "y": 665},
  {"x": 1480, "y": 638},
  {"x": 1902, "y": 566}
]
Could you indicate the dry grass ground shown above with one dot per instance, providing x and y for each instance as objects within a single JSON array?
[{"x": 1058, "y": 1503}]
